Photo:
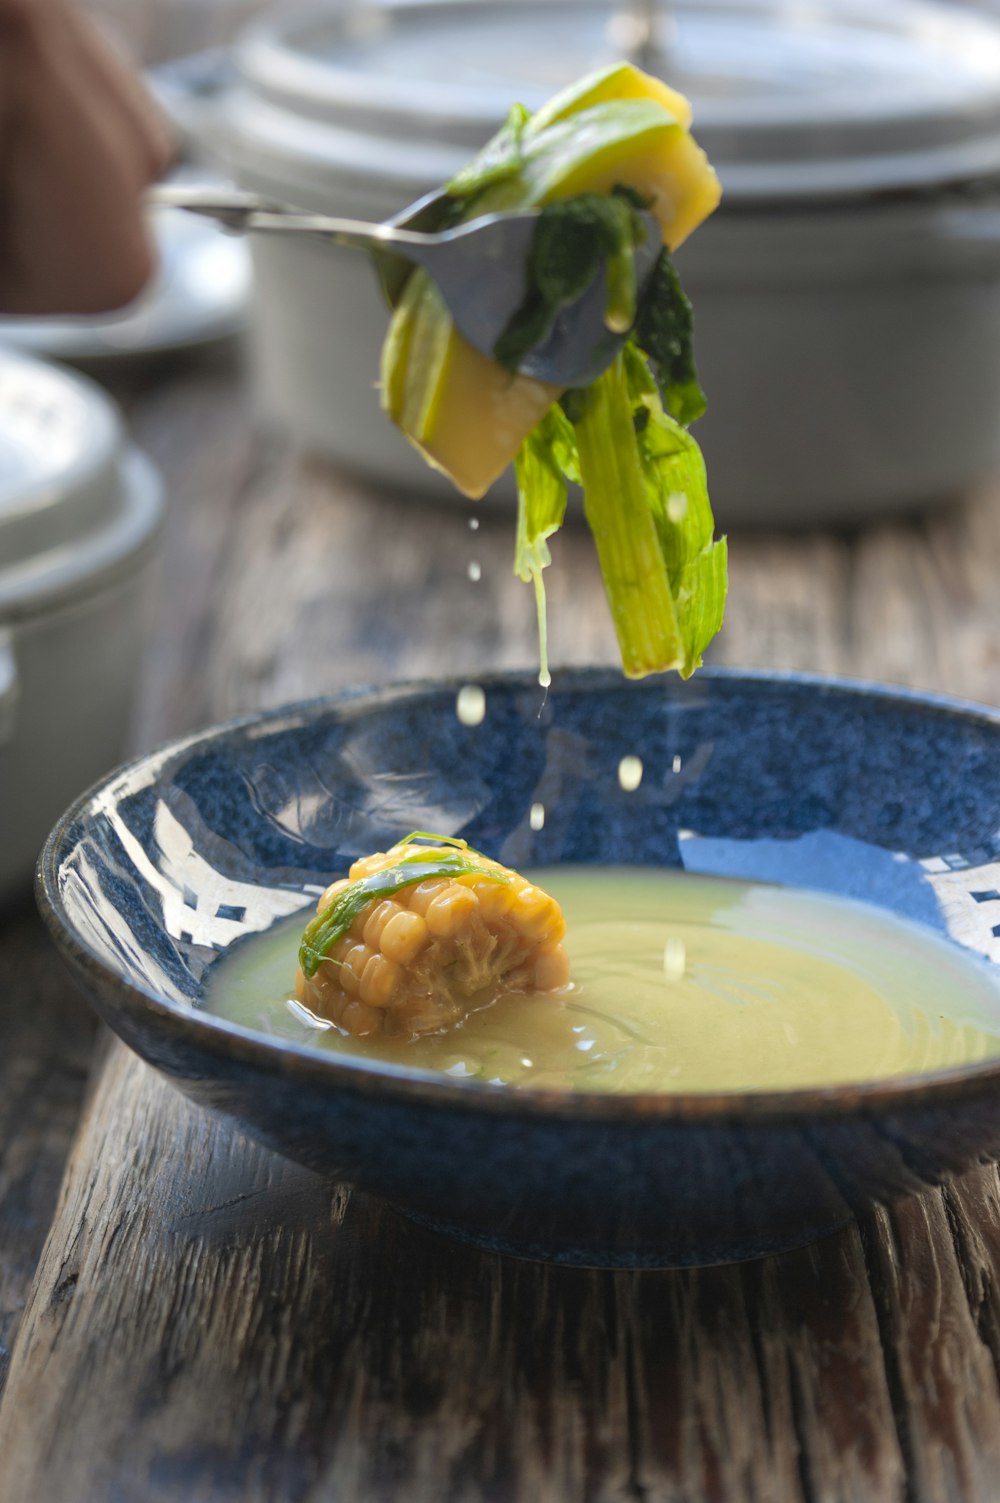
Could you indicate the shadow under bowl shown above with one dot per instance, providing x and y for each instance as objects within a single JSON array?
[{"x": 879, "y": 795}]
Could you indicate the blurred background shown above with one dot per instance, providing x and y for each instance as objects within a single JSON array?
[
  {"x": 847, "y": 307},
  {"x": 858, "y": 243}
]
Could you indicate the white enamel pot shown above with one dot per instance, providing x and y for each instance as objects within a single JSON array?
[
  {"x": 80, "y": 515},
  {"x": 847, "y": 294}
]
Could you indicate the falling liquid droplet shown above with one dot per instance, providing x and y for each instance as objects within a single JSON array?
[
  {"x": 630, "y": 773},
  {"x": 470, "y": 705},
  {"x": 473, "y": 524},
  {"x": 674, "y": 959},
  {"x": 536, "y": 818},
  {"x": 677, "y": 762},
  {"x": 475, "y": 572}
]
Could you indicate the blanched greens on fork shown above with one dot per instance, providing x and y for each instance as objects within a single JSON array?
[{"x": 597, "y": 160}]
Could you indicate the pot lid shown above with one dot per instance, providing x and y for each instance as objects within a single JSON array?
[
  {"x": 824, "y": 98},
  {"x": 65, "y": 489}
]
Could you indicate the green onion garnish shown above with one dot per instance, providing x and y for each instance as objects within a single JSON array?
[{"x": 334, "y": 921}]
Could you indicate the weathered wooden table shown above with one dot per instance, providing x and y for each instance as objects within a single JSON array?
[{"x": 208, "y": 1322}]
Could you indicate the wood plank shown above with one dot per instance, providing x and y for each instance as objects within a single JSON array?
[
  {"x": 941, "y": 1371},
  {"x": 263, "y": 1329},
  {"x": 270, "y": 1335},
  {"x": 46, "y": 1033}
]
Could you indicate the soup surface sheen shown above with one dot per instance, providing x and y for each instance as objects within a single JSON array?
[{"x": 681, "y": 983}]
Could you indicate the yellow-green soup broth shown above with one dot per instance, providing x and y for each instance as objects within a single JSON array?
[{"x": 680, "y": 983}]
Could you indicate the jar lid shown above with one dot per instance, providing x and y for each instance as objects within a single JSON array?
[
  {"x": 833, "y": 98},
  {"x": 68, "y": 512}
]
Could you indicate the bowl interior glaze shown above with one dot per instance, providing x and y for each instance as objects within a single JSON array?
[{"x": 883, "y": 796}]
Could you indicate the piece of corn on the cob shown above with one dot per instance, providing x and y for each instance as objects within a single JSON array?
[{"x": 418, "y": 961}]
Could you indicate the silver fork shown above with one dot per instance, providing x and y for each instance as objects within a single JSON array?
[{"x": 480, "y": 268}]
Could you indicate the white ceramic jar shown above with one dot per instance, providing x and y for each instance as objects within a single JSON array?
[
  {"x": 847, "y": 293},
  {"x": 80, "y": 514}
]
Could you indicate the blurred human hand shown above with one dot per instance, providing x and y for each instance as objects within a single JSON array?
[{"x": 80, "y": 140}]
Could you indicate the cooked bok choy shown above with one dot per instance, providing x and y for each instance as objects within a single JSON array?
[{"x": 611, "y": 144}]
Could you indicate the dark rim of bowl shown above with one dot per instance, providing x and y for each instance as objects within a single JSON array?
[{"x": 371, "y": 1077}]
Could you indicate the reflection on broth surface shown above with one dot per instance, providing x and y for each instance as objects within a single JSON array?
[{"x": 681, "y": 983}]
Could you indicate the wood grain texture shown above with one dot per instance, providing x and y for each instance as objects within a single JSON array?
[
  {"x": 46, "y": 1034},
  {"x": 209, "y": 1322}
]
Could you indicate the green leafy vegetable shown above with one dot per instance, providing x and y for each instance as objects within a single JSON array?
[
  {"x": 624, "y": 438},
  {"x": 677, "y": 493},
  {"x": 664, "y": 332},
  {"x": 646, "y": 503},
  {"x": 428, "y": 837},
  {"x": 334, "y": 921},
  {"x": 619, "y": 515},
  {"x": 573, "y": 237},
  {"x": 530, "y": 154},
  {"x": 500, "y": 159},
  {"x": 546, "y": 459}
]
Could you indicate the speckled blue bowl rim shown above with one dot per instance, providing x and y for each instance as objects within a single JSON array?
[{"x": 232, "y": 1041}]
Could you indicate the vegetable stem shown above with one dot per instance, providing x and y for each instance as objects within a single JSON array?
[
  {"x": 619, "y": 308},
  {"x": 624, "y": 529}
]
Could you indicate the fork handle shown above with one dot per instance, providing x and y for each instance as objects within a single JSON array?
[
  {"x": 229, "y": 206},
  {"x": 250, "y": 212}
]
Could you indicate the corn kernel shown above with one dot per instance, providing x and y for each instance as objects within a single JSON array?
[
  {"x": 422, "y": 895},
  {"x": 404, "y": 936},
  {"x": 360, "y": 1020},
  {"x": 334, "y": 889},
  {"x": 551, "y": 970},
  {"x": 416, "y": 962},
  {"x": 379, "y": 981},
  {"x": 451, "y": 910},
  {"x": 495, "y": 899},
  {"x": 376, "y": 919},
  {"x": 537, "y": 915},
  {"x": 353, "y": 958}
]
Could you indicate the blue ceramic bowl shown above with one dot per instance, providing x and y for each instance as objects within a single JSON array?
[{"x": 889, "y": 797}]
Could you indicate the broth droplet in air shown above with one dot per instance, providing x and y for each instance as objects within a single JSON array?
[
  {"x": 677, "y": 762},
  {"x": 674, "y": 959},
  {"x": 536, "y": 818},
  {"x": 475, "y": 572},
  {"x": 630, "y": 773},
  {"x": 473, "y": 524},
  {"x": 470, "y": 705}
]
